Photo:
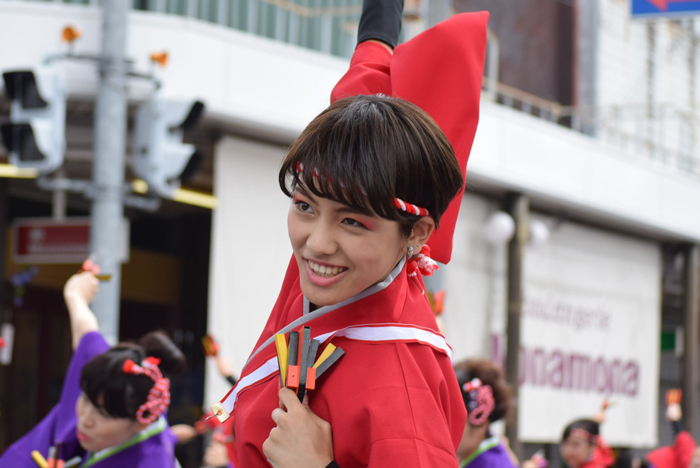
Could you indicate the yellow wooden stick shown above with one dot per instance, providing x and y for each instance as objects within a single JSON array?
[
  {"x": 324, "y": 355},
  {"x": 39, "y": 459},
  {"x": 282, "y": 354}
]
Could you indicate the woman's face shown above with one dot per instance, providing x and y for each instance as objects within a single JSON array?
[
  {"x": 575, "y": 451},
  {"x": 97, "y": 430},
  {"x": 340, "y": 252}
]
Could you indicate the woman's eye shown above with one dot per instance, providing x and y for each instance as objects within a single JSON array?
[
  {"x": 353, "y": 223},
  {"x": 303, "y": 207}
]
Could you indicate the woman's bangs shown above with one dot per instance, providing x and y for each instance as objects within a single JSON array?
[{"x": 337, "y": 174}]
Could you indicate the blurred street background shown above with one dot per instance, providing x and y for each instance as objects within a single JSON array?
[{"x": 579, "y": 229}]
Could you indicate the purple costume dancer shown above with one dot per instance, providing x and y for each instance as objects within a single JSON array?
[
  {"x": 490, "y": 454},
  {"x": 153, "y": 447},
  {"x": 486, "y": 397}
]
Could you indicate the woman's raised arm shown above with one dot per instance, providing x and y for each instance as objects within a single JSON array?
[
  {"x": 79, "y": 292},
  {"x": 381, "y": 22}
]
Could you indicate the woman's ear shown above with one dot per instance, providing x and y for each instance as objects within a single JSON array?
[{"x": 421, "y": 231}]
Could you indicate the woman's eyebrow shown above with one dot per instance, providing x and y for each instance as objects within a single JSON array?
[
  {"x": 350, "y": 210},
  {"x": 305, "y": 193}
]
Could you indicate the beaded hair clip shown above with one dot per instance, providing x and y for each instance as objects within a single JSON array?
[{"x": 481, "y": 403}]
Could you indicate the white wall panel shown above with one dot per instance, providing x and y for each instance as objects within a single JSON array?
[{"x": 250, "y": 251}]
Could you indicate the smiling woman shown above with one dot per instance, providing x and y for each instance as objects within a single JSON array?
[
  {"x": 370, "y": 178},
  {"x": 346, "y": 231}
]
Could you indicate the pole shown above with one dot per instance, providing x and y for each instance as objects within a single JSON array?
[
  {"x": 5, "y": 394},
  {"x": 108, "y": 168},
  {"x": 691, "y": 357},
  {"x": 436, "y": 11},
  {"x": 518, "y": 207}
]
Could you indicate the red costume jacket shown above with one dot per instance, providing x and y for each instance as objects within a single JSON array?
[
  {"x": 677, "y": 455},
  {"x": 602, "y": 457},
  {"x": 392, "y": 402}
]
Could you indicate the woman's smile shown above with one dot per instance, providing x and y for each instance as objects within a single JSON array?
[
  {"x": 324, "y": 275},
  {"x": 338, "y": 255}
]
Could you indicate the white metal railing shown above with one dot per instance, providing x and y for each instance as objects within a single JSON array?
[
  {"x": 660, "y": 131},
  {"x": 328, "y": 26}
]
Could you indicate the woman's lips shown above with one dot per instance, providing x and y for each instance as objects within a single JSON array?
[
  {"x": 81, "y": 437},
  {"x": 321, "y": 278}
]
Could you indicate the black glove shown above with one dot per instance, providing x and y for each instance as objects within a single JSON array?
[
  {"x": 381, "y": 20},
  {"x": 332, "y": 464}
]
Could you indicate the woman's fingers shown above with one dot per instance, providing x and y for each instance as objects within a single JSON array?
[
  {"x": 289, "y": 400},
  {"x": 276, "y": 414},
  {"x": 300, "y": 438}
]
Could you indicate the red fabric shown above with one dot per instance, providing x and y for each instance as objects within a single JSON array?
[
  {"x": 440, "y": 71},
  {"x": 677, "y": 455},
  {"x": 602, "y": 457},
  {"x": 230, "y": 442},
  {"x": 389, "y": 404}
]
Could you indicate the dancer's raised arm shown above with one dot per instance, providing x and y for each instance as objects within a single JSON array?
[{"x": 79, "y": 292}]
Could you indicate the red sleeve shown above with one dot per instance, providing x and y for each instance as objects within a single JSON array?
[
  {"x": 230, "y": 442},
  {"x": 676, "y": 456},
  {"x": 604, "y": 455},
  {"x": 440, "y": 71},
  {"x": 368, "y": 73},
  {"x": 684, "y": 447}
]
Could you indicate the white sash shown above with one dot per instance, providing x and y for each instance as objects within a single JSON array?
[{"x": 375, "y": 333}]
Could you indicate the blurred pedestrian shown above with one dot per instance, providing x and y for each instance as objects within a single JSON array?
[
  {"x": 684, "y": 451},
  {"x": 582, "y": 446}
]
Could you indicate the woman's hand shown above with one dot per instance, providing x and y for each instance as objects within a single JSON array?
[
  {"x": 674, "y": 412},
  {"x": 81, "y": 287},
  {"x": 301, "y": 439},
  {"x": 79, "y": 292}
]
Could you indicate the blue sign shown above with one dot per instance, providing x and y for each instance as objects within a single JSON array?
[{"x": 663, "y": 8}]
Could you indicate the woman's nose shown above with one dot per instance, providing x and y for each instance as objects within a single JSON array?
[
  {"x": 87, "y": 417},
  {"x": 321, "y": 240}
]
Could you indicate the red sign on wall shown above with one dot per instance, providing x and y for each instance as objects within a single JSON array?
[{"x": 45, "y": 240}]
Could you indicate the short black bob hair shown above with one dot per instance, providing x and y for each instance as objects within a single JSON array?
[
  {"x": 368, "y": 150},
  {"x": 489, "y": 374},
  {"x": 588, "y": 425},
  {"x": 118, "y": 394}
]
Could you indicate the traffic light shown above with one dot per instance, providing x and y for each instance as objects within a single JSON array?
[
  {"x": 160, "y": 156},
  {"x": 36, "y": 134}
]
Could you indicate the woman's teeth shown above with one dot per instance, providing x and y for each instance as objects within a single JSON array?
[{"x": 325, "y": 271}]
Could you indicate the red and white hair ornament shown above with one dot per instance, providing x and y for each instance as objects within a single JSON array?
[
  {"x": 585, "y": 435},
  {"x": 481, "y": 403},
  {"x": 158, "y": 397},
  {"x": 423, "y": 263},
  {"x": 410, "y": 208}
]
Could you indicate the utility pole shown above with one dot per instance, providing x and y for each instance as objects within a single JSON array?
[
  {"x": 518, "y": 206},
  {"x": 691, "y": 352},
  {"x": 108, "y": 168}
]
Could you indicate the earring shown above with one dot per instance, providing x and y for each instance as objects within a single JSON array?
[
  {"x": 418, "y": 247},
  {"x": 410, "y": 251}
]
